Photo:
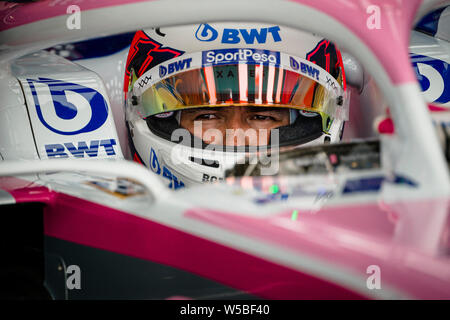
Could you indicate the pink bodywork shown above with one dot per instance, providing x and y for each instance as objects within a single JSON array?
[
  {"x": 348, "y": 237},
  {"x": 389, "y": 43}
]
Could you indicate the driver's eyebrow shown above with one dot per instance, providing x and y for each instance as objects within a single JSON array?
[{"x": 195, "y": 110}]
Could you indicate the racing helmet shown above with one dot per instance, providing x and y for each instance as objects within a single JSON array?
[{"x": 173, "y": 69}]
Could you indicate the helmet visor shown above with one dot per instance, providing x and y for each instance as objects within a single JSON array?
[{"x": 238, "y": 77}]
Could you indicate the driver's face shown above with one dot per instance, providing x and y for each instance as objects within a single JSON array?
[{"x": 228, "y": 120}]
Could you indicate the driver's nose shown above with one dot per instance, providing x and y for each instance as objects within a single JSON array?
[{"x": 238, "y": 132}]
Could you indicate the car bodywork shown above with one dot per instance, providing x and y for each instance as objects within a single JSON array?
[{"x": 315, "y": 236}]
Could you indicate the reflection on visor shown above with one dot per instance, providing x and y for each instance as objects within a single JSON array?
[{"x": 237, "y": 84}]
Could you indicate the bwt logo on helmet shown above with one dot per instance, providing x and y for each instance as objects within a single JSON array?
[
  {"x": 174, "y": 66},
  {"x": 154, "y": 165},
  {"x": 304, "y": 68},
  {"x": 68, "y": 108},
  {"x": 229, "y": 35},
  {"x": 231, "y": 56}
]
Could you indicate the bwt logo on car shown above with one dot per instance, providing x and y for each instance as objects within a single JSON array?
[
  {"x": 230, "y": 35},
  {"x": 76, "y": 108},
  {"x": 231, "y": 56},
  {"x": 304, "y": 68},
  {"x": 175, "y": 66},
  {"x": 434, "y": 78},
  {"x": 59, "y": 150}
]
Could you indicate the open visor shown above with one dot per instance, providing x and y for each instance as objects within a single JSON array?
[{"x": 239, "y": 77}]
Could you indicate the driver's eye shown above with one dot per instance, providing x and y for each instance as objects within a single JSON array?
[
  {"x": 206, "y": 116},
  {"x": 261, "y": 117}
]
